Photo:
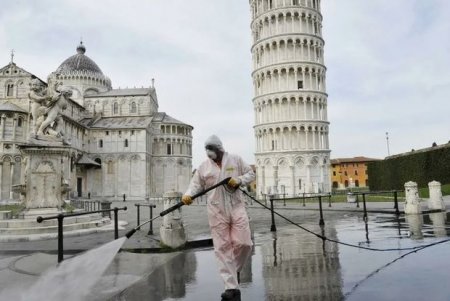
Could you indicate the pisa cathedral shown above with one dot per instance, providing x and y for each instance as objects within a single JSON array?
[
  {"x": 290, "y": 102},
  {"x": 119, "y": 142}
]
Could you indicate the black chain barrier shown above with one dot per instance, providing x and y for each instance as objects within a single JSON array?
[{"x": 413, "y": 249}]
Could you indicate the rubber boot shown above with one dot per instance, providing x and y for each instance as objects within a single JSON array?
[{"x": 231, "y": 295}]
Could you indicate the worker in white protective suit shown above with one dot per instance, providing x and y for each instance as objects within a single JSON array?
[{"x": 227, "y": 216}]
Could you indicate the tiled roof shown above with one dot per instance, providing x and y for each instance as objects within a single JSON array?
[
  {"x": 353, "y": 160},
  {"x": 118, "y": 122}
]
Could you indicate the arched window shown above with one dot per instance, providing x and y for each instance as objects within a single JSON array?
[
  {"x": 116, "y": 108},
  {"x": 19, "y": 122},
  {"x": 110, "y": 167},
  {"x": 133, "y": 108},
  {"x": 126, "y": 143},
  {"x": 9, "y": 90}
]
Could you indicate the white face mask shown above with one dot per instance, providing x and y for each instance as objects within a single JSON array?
[{"x": 212, "y": 155}]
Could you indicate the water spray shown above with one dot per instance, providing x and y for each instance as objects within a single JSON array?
[{"x": 176, "y": 206}]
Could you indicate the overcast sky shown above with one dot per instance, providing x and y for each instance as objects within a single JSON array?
[{"x": 388, "y": 63}]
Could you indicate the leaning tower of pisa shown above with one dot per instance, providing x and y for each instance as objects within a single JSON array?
[{"x": 290, "y": 99}]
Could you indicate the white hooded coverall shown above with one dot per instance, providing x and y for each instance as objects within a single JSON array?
[{"x": 227, "y": 215}]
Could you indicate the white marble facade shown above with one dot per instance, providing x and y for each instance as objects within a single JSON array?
[
  {"x": 119, "y": 142},
  {"x": 290, "y": 102}
]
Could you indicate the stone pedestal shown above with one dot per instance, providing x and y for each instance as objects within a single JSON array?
[
  {"x": 435, "y": 202},
  {"x": 172, "y": 229},
  {"x": 412, "y": 200},
  {"x": 44, "y": 184}
]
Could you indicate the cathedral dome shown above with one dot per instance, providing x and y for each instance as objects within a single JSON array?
[{"x": 79, "y": 62}]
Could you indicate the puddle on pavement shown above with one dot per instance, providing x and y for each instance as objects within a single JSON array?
[{"x": 294, "y": 265}]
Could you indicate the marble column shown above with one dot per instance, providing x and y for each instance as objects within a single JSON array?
[{"x": 293, "y": 179}]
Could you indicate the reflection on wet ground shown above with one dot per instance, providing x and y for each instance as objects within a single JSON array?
[{"x": 294, "y": 265}]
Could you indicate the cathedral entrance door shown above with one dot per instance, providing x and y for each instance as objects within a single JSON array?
[{"x": 79, "y": 187}]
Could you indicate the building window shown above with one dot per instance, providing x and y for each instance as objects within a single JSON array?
[
  {"x": 273, "y": 144},
  {"x": 294, "y": 2},
  {"x": 110, "y": 167},
  {"x": 107, "y": 133},
  {"x": 300, "y": 84},
  {"x": 116, "y": 108},
  {"x": 346, "y": 183},
  {"x": 126, "y": 143},
  {"x": 120, "y": 133},
  {"x": 356, "y": 183},
  {"x": 334, "y": 173},
  {"x": 19, "y": 122},
  {"x": 9, "y": 90},
  {"x": 133, "y": 107},
  {"x": 356, "y": 172},
  {"x": 100, "y": 143},
  {"x": 169, "y": 149},
  {"x": 335, "y": 184},
  {"x": 132, "y": 132}
]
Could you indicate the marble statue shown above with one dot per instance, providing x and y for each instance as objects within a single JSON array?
[{"x": 47, "y": 111}]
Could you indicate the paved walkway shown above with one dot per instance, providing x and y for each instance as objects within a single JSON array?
[{"x": 21, "y": 263}]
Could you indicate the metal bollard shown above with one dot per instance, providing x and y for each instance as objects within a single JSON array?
[
  {"x": 364, "y": 205},
  {"x": 150, "y": 231},
  {"x": 273, "y": 228},
  {"x": 321, "y": 221},
  {"x": 397, "y": 212},
  {"x": 116, "y": 223},
  {"x": 304, "y": 200},
  {"x": 60, "y": 238},
  {"x": 138, "y": 214},
  {"x": 357, "y": 201}
]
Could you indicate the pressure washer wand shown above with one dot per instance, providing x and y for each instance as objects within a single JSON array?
[{"x": 176, "y": 206}]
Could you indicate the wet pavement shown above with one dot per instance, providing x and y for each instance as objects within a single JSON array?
[{"x": 289, "y": 264}]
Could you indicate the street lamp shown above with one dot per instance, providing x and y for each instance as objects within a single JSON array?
[{"x": 387, "y": 143}]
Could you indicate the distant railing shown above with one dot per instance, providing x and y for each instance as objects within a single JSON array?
[{"x": 60, "y": 217}]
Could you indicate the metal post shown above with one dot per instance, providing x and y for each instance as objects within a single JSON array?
[
  {"x": 304, "y": 200},
  {"x": 329, "y": 200},
  {"x": 150, "y": 231},
  {"x": 364, "y": 205},
  {"x": 60, "y": 237},
  {"x": 357, "y": 201},
  {"x": 273, "y": 228},
  {"x": 116, "y": 223},
  {"x": 396, "y": 203},
  {"x": 321, "y": 222},
  {"x": 138, "y": 214}
]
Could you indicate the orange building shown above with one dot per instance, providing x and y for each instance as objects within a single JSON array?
[{"x": 350, "y": 172}]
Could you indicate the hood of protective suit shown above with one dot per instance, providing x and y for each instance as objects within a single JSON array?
[{"x": 214, "y": 141}]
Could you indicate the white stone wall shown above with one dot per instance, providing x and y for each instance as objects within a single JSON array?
[
  {"x": 144, "y": 105},
  {"x": 290, "y": 103}
]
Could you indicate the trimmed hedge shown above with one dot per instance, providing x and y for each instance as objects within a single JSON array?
[{"x": 421, "y": 167}]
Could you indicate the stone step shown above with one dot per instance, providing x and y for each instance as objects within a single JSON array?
[{"x": 53, "y": 229}]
